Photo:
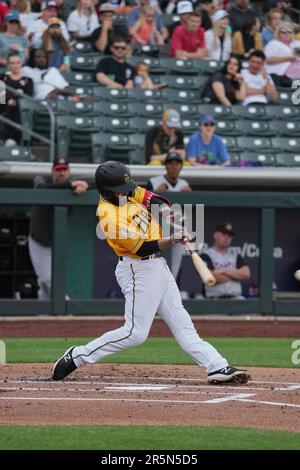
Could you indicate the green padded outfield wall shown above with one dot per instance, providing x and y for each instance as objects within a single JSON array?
[{"x": 81, "y": 248}]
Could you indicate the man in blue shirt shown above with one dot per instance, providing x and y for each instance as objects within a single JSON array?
[{"x": 205, "y": 148}]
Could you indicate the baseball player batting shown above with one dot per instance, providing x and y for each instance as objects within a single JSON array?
[{"x": 143, "y": 275}]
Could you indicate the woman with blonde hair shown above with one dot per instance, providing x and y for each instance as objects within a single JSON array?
[
  {"x": 218, "y": 39},
  {"x": 280, "y": 54},
  {"x": 83, "y": 20},
  {"x": 144, "y": 30}
]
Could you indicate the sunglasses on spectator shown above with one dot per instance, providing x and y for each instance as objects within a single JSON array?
[
  {"x": 120, "y": 47},
  {"x": 209, "y": 124},
  {"x": 286, "y": 31}
]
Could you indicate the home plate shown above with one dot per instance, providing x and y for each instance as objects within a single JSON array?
[{"x": 138, "y": 388}]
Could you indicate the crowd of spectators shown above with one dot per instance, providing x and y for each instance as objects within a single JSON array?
[{"x": 258, "y": 43}]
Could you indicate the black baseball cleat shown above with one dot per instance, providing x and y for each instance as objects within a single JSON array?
[
  {"x": 227, "y": 375},
  {"x": 64, "y": 365}
]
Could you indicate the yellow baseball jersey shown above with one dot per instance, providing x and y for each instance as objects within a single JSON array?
[{"x": 126, "y": 227}]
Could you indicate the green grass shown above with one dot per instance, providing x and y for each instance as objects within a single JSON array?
[
  {"x": 260, "y": 352},
  {"x": 143, "y": 438}
]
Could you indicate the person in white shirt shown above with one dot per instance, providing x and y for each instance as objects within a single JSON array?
[
  {"x": 48, "y": 82},
  {"x": 280, "y": 54},
  {"x": 218, "y": 39},
  {"x": 35, "y": 30},
  {"x": 260, "y": 87},
  {"x": 83, "y": 21},
  {"x": 171, "y": 182}
]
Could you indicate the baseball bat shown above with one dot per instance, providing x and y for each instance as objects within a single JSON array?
[{"x": 206, "y": 275}]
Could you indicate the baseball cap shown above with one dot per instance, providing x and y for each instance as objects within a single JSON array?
[
  {"x": 12, "y": 15},
  {"x": 49, "y": 4},
  {"x": 225, "y": 228},
  {"x": 52, "y": 21},
  {"x": 105, "y": 7},
  {"x": 219, "y": 15},
  {"x": 171, "y": 117},
  {"x": 59, "y": 163},
  {"x": 184, "y": 7},
  {"x": 207, "y": 118},
  {"x": 171, "y": 156}
]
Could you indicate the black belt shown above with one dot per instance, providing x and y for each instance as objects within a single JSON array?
[{"x": 155, "y": 255}]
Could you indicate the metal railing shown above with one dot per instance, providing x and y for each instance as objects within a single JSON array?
[{"x": 20, "y": 127}]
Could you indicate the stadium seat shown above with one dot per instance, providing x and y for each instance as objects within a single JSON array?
[
  {"x": 143, "y": 124},
  {"x": 112, "y": 94},
  {"x": 138, "y": 94},
  {"x": 259, "y": 158},
  {"x": 230, "y": 142},
  {"x": 15, "y": 154},
  {"x": 286, "y": 144},
  {"x": 83, "y": 46},
  {"x": 148, "y": 109},
  {"x": 217, "y": 110},
  {"x": 128, "y": 148},
  {"x": 286, "y": 128},
  {"x": 234, "y": 158},
  {"x": 256, "y": 143},
  {"x": 185, "y": 110},
  {"x": 118, "y": 109},
  {"x": 226, "y": 127},
  {"x": 182, "y": 96},
  {"x": 285, "y": 97},
  {"x": 208, "y": 67},
  {"x": 115, "y": 124},
  {"x": 69, "y": 107},
  {"x": 189, "y": 125},
  {"x": 255, "y": 128},
  {"x": 80, "y": 78},
  {"x": 149, "y": 50},
  {"x": 288, "y": 159},
  {"x": 156, "y": 65},
  {"x": 73, "y": 135},
  {"x": 185, "y": 82},
  {"x": 183, "y": 66},
  {"x": 282, "y": 112},
  {"x": 85, "y": 62},
  {"x": 249, "y": 112}
]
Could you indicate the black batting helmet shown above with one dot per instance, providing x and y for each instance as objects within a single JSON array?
[{"x": 113, "y": 177}]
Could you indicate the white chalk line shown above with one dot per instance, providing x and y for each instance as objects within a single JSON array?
[
  {"x": 237, "y": 398},
  {"x": 288, "y": 387}
]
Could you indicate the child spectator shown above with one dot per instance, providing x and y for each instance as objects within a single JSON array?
[
  {"x": 144, "y": 30},
  {"x": 143, "y": 79}
]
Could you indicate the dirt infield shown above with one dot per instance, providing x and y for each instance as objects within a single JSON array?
[
  {"x": 67, "y": 327},
  {"x": 147, "y": 394}
]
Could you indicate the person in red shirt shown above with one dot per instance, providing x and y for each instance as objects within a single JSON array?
[
  {"x": 187, "y": 41},
  {"x": 3, "y": 10}
]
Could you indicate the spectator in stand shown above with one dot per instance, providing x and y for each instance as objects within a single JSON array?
[
  {"x": 280, "y": 54},
  {"x": 12, "y": 40},
  {"x": 228, "y": 267},
  {"x": 167, "y": 137},
  {"x": 240, "y": 14},
  {"x": 83, "y": 20},
  {"x": 184, "y": 9},
  {"x": 260, "y": 87},
  {"x": 227, "y": 85},
  {"x": 172, "y": 182},
  {"x": 144, "y": 30},
  {"x": 187, "y": 41},
  {"x": 206, "y": 9},
  {"x": 14, "y": 79},
  {"x": 27, "y": 17},
  {"x": 55, "y": 45},
  {"x": 248, "y": 39},
  {"x": 102, "y": 37},
  {"x": 48, "y": 82},
  {"x": 218, "y": 39},
  {"x": 142, "y": 78},
  {"x": 135, "y": 14},
  {"x": 205, "y": 148},
  {"x": 115, "y": 72},
  {"x": 3, "y": 10},
  {"x": 35, "y": 31},
  {"x": 274, "y": 17},
  {"x": 41, "y": 224}
]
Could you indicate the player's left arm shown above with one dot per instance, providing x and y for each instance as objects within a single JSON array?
[{"x": 242, "y": 271}]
